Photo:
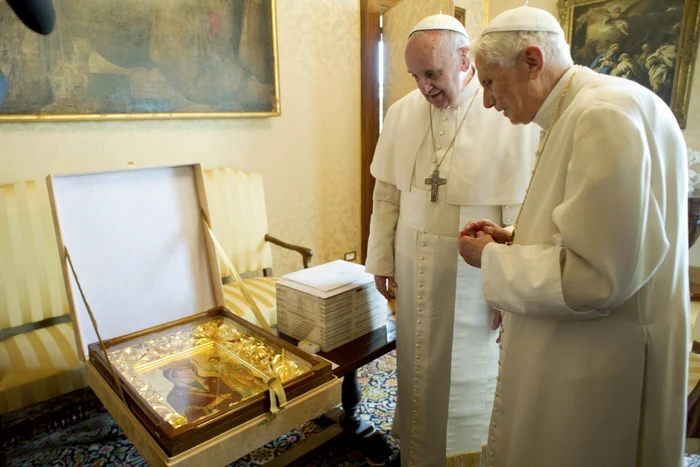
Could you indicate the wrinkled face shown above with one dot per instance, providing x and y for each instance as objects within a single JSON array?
[
  {"x": 438, "y": 71},
  {"x": 507, "y": 89}
]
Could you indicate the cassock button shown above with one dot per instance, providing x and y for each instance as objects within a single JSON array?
[
  {"x": 420, "y": 322},
  {"x": 422, "y": 244},
  {"x": 418, "y": 346},
  {"x": 442, "y": 133},
  {"x": 421, "y": 271},
  {"x": 422, "y": 258},
  {"x": 439, "y": 147},
  {"x": 417, "y": 358},
  {"x": 420, "y": 285}
]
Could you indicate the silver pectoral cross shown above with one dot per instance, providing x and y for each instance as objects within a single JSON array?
[{"x": 435, "y": 181}]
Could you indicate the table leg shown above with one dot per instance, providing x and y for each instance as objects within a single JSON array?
[{"x": 365, "y": 437}]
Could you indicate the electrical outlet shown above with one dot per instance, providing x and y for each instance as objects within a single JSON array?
[{"x": 350, "y": 256}]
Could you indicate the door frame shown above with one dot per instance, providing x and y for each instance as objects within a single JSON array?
[{"x": 370, "y": 35}]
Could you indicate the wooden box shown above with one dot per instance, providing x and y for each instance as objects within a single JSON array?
[{"x": 187, "y": 380}]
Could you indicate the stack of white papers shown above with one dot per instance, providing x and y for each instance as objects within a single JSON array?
[{"x": 330, "y": 304}]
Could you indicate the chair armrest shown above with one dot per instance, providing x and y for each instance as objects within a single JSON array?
[{"x": 305, "y": 253}]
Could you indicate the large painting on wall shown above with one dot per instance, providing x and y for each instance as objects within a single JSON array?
[
  {"x": 131, "y": 59},
  {"x": 651, "y": 42}
]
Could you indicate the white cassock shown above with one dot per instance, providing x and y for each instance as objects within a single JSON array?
[
  {"x": 447, "y": 354},
  {"x": 593, "y": 369}
]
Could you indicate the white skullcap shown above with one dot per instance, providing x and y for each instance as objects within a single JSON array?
[
  {"x": 440, "y": 22},
  {"x": 524, "y": 18}
]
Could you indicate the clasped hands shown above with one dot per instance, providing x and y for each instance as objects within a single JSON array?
[{"x": 474, "y": 237}]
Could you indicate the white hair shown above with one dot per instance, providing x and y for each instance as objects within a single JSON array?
[
  {"x": 503, "y": 48},
  {"x": 450, "y": 41}
]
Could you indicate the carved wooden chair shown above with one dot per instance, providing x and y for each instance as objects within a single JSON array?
[
  {"x": 38, "y": 357},
  {"x": 239, "y": 220}
]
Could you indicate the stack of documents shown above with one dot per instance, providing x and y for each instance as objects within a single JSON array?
[{"x": 330, "y": 304}]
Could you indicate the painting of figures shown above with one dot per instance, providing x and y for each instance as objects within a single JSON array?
[
  {"x": 203, "y": 383},
  {"x": 639, "y": 40}
]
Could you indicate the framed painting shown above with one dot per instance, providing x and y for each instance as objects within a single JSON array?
[
  {"x": 460, "y": 15},
  {"x": 651, "y": 42},
  {"x": 135, "y": 59}
]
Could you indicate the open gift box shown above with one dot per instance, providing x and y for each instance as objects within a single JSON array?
[{"x": 189, "y": 382}]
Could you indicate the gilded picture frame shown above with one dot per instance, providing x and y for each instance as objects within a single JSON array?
[
  {"x": 194, "y": 370},
  {"x": 136, "y": 60},
  {"x": 652, "y": 42}
]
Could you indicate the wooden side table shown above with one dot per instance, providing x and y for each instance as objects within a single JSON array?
[{"x": 345, "y": 425}]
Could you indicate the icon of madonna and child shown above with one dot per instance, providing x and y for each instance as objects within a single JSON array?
[{"x": 204, "y": 383}]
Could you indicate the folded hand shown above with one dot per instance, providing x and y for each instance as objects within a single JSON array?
[
  {"x": 498, "y": 233},
  {"x": 471, "y": 248}
]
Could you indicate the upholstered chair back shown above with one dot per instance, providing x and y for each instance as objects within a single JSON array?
[
  {"x": 237, "y": 209},
  {"x": 38, "y": 356},
  {"x": 31, "y": 280}
]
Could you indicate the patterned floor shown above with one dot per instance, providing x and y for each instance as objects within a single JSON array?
[{"x": 96, "y": 440}]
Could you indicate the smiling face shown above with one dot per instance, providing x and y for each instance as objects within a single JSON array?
[
  {"x": 515, "y": 90},
  {"x": 439, "y": 69}
]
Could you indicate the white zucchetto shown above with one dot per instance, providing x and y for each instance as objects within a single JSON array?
[
  {"x": 440, "y": 22},
  {"x": 524, "y": 18}
]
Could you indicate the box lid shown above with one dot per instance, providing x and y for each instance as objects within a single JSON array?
[
  {"x": 329, "y": 279},
  {"x": 139, "y": 247}
]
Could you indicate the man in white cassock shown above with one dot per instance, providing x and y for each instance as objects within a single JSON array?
[
  {"x": 593, "y": 280},
  {"x": 442, "y": 160}
]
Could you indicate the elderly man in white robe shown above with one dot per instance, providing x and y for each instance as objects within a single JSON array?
[
  {"x": 593, "y": 279},
  {"x": 442, "y": 160}
]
